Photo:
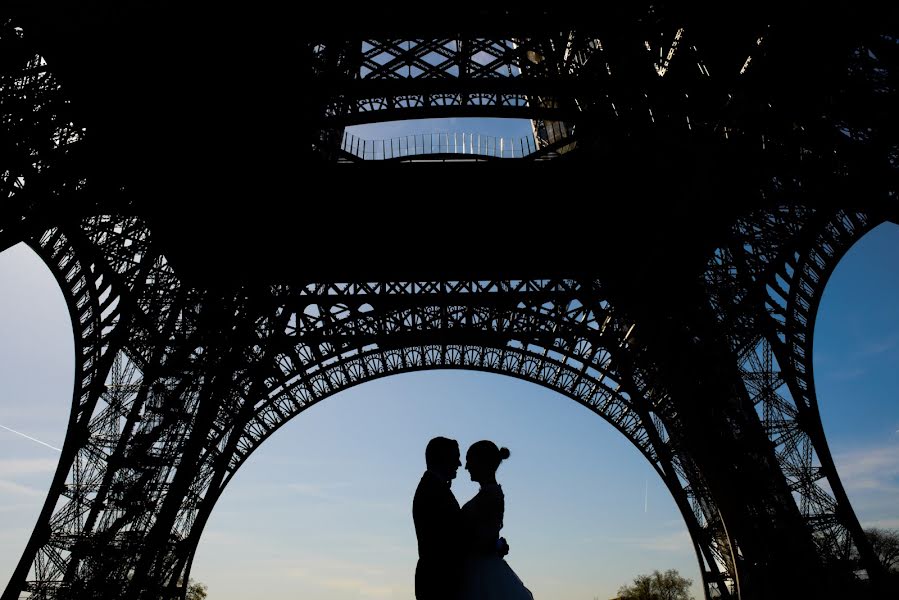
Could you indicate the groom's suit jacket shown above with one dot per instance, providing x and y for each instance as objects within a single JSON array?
[{"x": 437, "y": 518}]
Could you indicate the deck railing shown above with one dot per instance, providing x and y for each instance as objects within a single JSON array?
[{"x": 423, "y": 144}]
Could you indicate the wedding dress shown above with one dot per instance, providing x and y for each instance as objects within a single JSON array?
[{"x": 486, "y": 575}]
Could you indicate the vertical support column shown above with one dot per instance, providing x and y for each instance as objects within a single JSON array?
[
  {"x": 685, "y": 355},
  {"x": 331, "y": 62}
]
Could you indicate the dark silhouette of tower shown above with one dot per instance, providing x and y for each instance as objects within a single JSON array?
[{"x": 702, "y": 170}]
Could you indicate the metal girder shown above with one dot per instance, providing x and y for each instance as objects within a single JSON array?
[
  {"x": 178, "y": 383},
  {"x": 177, "y": 417},
  {"x": 782, "y": 261},
  {"x": 296, "y": 346}
]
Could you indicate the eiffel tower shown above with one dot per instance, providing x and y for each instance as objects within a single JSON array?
[{"x": 658, "y": 255}]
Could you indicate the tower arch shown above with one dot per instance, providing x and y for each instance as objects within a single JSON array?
[{"x": 177, "y": 383}]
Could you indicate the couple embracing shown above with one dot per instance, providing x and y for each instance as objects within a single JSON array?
[{"x": 460, "y": 553}]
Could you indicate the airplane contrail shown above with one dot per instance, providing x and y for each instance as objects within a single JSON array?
[{"x": 31, "y": 438}]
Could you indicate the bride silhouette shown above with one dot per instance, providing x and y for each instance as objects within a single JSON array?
[{"x": 485, "y": 574}]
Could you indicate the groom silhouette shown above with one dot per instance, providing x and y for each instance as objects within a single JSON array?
[{"x": 437, "y": 518}]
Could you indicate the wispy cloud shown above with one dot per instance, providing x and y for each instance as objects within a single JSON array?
[
  {"x": 16, "y": 536},
  {"x": 363, "y": 588},
  {"x": 881, "y": 523},
  {"x": 365, "y": 580},
  {"x": 380, "y": 544},
  {"x": 331, "y": 566},
  {"x": 879, "y": 346},
  {"x": 846, "y": 374},
  {"x": 871, "y": 478},
  {"x": 321, "y": 491},
  {"x": 26, "y": 466},
  {"x": 20, "y": 507},
  {"x": 219, "y": 538},
  {"x": 870, "y": 468},
  {"x": 342, "y": 492},
  {"x": 11, "y": 487},
  {"x": 674, "y": 541}
]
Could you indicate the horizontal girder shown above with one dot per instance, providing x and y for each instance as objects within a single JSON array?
[{"x": 735, "y": 164}]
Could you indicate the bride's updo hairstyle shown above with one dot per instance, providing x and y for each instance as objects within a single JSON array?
[{"x": 486, "y": 453}]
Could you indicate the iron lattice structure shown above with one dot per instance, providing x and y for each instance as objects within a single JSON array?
[{"x": 702, "y": 360}]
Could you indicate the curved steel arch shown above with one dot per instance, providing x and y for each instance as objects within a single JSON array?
[
  {"x": 781, "y": 261},
  {"x": 521, "y": 332},
  {"x": 136, "y": 395},
  {"x": 349, "y": 365},
  {"x": 709, "y": 538},
  {"x": 168, "y": 376},
  {"x": 100, "y": 296},
  {"x": 109, "y": 483}
]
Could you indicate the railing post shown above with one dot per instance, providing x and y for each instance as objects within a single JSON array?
[{"x": 351, "y": 144}]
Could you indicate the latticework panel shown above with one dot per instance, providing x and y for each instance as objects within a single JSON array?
[
  {"x": 177, "y": 385},
  {"x": 766, "y": 287},
  {"x": 174, "y": 411},
  {"x": 638, "y": 74},
  {"x": 38, "y": 136}
]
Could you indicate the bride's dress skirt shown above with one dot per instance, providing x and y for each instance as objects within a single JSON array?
[{"x": 491, "y": 578}]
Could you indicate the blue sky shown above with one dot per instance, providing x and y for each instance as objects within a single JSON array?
[
  {"x": 509, "y": 129},
  {"x": 323, "y": 508}
]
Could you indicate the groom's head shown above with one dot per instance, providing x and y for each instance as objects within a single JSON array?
[{"x": 442, "y": 457}]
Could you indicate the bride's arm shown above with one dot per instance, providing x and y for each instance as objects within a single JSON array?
[{"x": 484, "y": 521}]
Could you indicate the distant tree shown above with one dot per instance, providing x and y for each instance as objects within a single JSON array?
[
  {"x": 885, "y": 543},
  {"x": 658, "y": 586},
  {"x": 195, "y": 590}
]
